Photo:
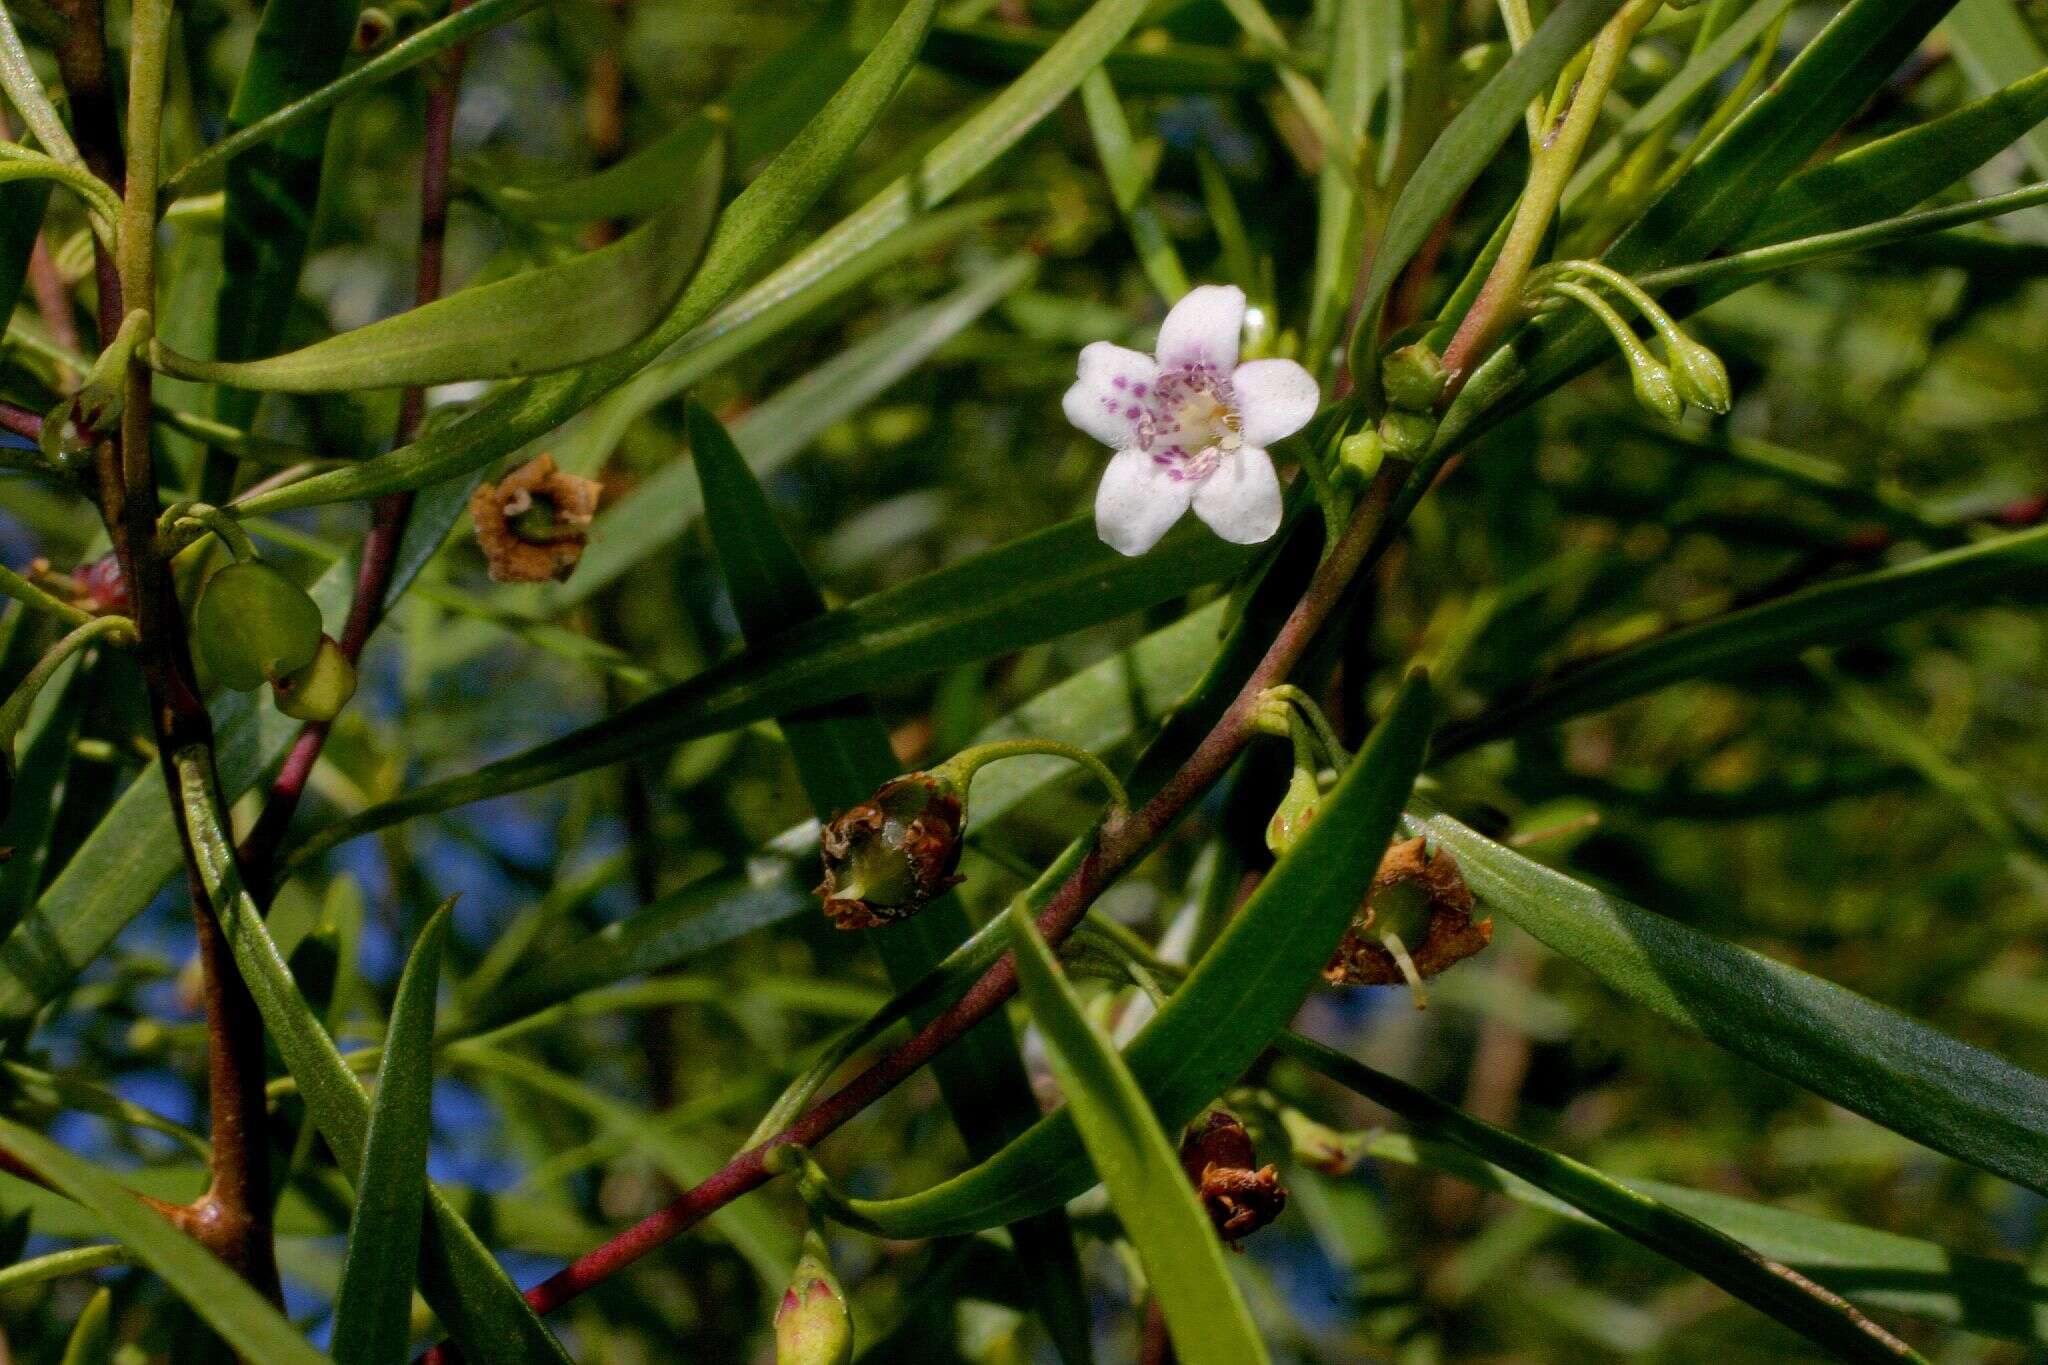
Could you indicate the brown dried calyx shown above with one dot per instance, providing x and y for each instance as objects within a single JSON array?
[
  {"x": 894, "y": 852},
  {"x": 1217, "y": 1155},
  {"x": 533, "y": 524},
  {"x": 1409, "y": 878}
]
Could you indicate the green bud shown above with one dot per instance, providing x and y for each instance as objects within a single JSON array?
[
  {"x": 1413, "y": 377},
  {"x": 1407, "y": 433},
  {"x": 1701, "y": 377},
  {"x": 812, "y": 1325},
  {"x": 253, "y": 625},
  {"x": 1364, "y": 452},
  {"x": 320, "y": 689},
  {"x": 1295, "y": 813},
  {"x": 1655, "y": 388}
]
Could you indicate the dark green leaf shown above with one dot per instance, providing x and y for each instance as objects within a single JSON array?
[
  {"x": 842, "y": 754},
  {"x": 1205, "y": 1314},
  {"x": 373, "y": 1311}
]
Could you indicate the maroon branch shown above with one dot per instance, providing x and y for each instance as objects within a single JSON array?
[
  {"x": 1117, "y": 848},
  {"x": 390, "y": 513}
]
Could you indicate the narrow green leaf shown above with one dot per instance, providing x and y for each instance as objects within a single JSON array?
[
  {"x": 842, "y": 754},
  {"x": 134, "y": 849},
  {"x": 91, "y": 1340},
  {"x": 373, "y": 1311},
  {"x": 748, "y": 231},
  {"x": 1989, "y": 1295},
  {"x": 662, "y": 507},
  {"x": 202, "y": 171},
  {"x": 1896, "y": 1071},
  {"x": 1255, "y": 978},
  {"x": 1035, "y": 588},
  {"x": 473, "y": 1296},
  {"x": 21, "y": 217},
  {"x": 1831, "y": 613},
  {"x": 546, "y": 319},
  {"x": 58, "y": 1264},
  {"x": 272, "y": 190},
  {"x": 1997, "y": 50},
  {"x": 1894, "y": 173},
  {"x": 1457, "y": 157},
  {"x": 762, "y": 110},
  {"x": 997, "y": 52},
  {"x": 1764, "y": 1284},
  {"x": 218, "y": 1295},
  {"x": 42, "y": 775},
  {"x": 1205, "y": 1313},
  {"x": 1130, "y": 186}
]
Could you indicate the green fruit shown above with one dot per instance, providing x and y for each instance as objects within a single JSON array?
[
  {"x": 320, "y": 689},
  {"x": 253, "y": 625}
]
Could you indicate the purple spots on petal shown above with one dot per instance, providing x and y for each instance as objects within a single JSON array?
[
  {"x": 1132, "y": 412},
  {"x": 1137, "y": 389},
  {"x": 1120, "y": 382}
]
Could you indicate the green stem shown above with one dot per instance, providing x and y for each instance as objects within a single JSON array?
[
  {"x": 33, "y": 597},
  {"x": 211, "y": 518},
  {"x": 14, "y": 711},
  {"x": 961, "y": 768},
  {"x": 1499, "y": 299},
  {"x": 1521, "y": 27},
  {"x": 19, "y": 80}
]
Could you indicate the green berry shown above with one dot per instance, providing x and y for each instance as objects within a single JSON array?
[
  {"x": 253, "y": 625},
  {"x": 320, "y": 689}
]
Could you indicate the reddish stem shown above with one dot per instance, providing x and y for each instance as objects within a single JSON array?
[
  {"x": 1116, "y": 850},
  {"x": 390, "y": 513}
]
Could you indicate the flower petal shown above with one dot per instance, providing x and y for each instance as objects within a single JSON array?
[
  {"x": 1275, "y": 398},
  {"x": 1138, "y": 501},
  {"x": 1203, "y": 328},
  {"x": 1241, "y": 500},
  {"x": 1108, "y": 398}
]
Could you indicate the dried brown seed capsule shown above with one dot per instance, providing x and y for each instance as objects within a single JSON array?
[
  {"x": 534, "y": 523},
  {"x": 1217, "y": 1155},
  {"x": 889, "y": 855},
  {"x": 1408, "y": 874}
]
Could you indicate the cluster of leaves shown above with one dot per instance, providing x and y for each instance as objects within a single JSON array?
[{"x": 1732, "y": 722}]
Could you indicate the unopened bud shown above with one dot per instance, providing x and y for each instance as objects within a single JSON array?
[
  {"x": 891, "y": 854},
  {"x": 812, "y": 1324},
  {"x": 1363, "y": 451},
  {"x": 1406, "y": 433},
  {"x": 1701, "y": 378},
  {"x": 1296, "y": 811},
  {"x": 1413, "y": 377},
  {"x": 1655, "y": 388},
  {"x": 320, "y": 689},
  {"x": 1218, "y": 1157}
]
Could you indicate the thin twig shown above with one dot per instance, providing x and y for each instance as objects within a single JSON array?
[
  {"x": 390, "y": 513},
  {"x": 1118, "y": 847}
]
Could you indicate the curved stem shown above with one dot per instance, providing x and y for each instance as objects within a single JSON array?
[
  {"x": 213, "y": 519},
  {"x": 118, "y": 629},
  {"x": 961, "y": 768},
  {"x": 29, "y": 595}
]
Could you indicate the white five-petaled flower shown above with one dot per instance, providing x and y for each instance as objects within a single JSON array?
[{"x": 1190, "y": 426}]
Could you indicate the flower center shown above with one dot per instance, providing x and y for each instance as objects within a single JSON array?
[{"x": 1190, "y": 421}]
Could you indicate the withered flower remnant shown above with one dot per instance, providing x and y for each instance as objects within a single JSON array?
[
  {"x": 1218, "y": 1157},
  {"x": 893, "y": 853},
  {"x": 533, "y": 524},
  {"x": 1410, "y": 877}
]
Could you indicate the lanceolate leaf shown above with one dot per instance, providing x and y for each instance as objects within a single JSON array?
[
  {"x": 218, "y": 1295},
  {"x": 1457, "y": 157},
  {"x": 1984, "y": 1294},
  {"x": 474, "y": 1298},
  {"x": 1772, "y": 631},
  {"x": 748, "y": 231},
  {"x": 545, "y": 319},
  {"x": 1242, "y": 992},
  {"x": 1893, "y": 1070},
  {"x": 373, "y": 1312},
  {"x": 1183, "y": 1259},
  {"x": 660, "y": 509},
  {"x": 1742, "y": 1270},
  {"x": 272, "y": 190},
  {"x": 842, "y": 754},
  {"x": 1040, "y": 587}
]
